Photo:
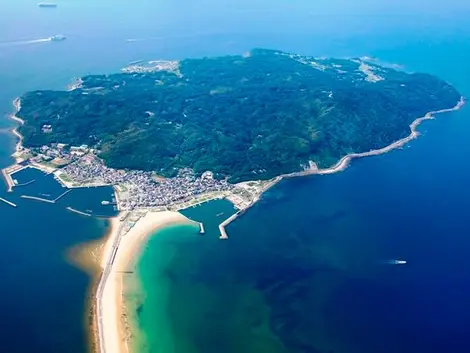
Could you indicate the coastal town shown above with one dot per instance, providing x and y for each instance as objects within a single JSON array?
[{"x": 79, "y": 166}]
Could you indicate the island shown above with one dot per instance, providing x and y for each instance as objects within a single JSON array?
[
  {"x": 168, "y": 135},
  {"x": 243, "y": 118}
]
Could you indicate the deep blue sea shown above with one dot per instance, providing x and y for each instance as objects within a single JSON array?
[{"x": 316, "y": 247}]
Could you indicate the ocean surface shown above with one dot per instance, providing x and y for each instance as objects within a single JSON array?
[{"x": 305, "y": 270}]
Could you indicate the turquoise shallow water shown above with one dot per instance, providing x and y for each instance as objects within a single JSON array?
[
  {"x": 308, "y": 268},
  {"x": 303, "y": 270}
]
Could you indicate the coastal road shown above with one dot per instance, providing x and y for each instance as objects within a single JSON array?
[{"x": 104, "y": 277}]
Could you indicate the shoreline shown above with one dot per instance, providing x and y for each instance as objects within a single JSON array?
[
  {"x": 77, "y": 84},
  {"x": 112, "y": 327},
  {"x": 343, "y": 163},
  {"x": 122, "y": 246},
  {"x": 88, "y": 257},
  {"x": 18, "y": 146},
  {"x": 19, "y": 143}
]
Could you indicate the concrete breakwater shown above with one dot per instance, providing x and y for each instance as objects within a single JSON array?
[
  {"x": 36, "y": 198},
  {"x": 7, "y": 202},
  {"x": 77, "y": 211}
]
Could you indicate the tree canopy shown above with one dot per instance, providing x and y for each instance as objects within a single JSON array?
[{"x": 243, "y": 117}]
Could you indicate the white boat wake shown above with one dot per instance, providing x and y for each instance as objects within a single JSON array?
[
  {"x": 145, "y": 39},
  {"x": 395, "y": 262},
  {"x": 24, "y": 42},
  {"x": 182, "y": 36}
]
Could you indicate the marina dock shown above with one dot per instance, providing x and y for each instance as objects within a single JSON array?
[{"x": 8, "y": 202}]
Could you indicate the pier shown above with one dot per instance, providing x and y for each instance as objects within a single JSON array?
[
  {"x": 240, "y": 212},
  {"x": 8, "y": 202},
  {"x": 223, "y": 232},
  {"x": 25, "y": 184},
  {"x": 62, "y": 195},
  {"x": 201, "y": 228}
]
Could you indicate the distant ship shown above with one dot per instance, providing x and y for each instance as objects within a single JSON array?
[
  {"x": 136, "y": 62},
  {"x": 47, "y": 4},
  {"x": 57, "y": 38}
]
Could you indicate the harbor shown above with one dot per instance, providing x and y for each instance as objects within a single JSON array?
[
  {"x": 8, "y": 172},
  {"x": 35, "y": 182}
]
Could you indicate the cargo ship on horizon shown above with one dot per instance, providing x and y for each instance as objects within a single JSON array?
[{"x": 47, "y": 4}]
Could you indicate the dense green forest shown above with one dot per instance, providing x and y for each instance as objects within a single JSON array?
[{"x": 245, "y": 117}]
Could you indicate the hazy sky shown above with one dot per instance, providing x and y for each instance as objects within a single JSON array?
[
  {"x": 349, "y": 7},
  {"x": 137, "y": 18}
]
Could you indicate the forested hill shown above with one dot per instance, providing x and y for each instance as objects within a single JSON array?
[{"x": 245, "y": 117}]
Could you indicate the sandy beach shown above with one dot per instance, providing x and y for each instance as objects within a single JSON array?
[{"x": 119, "y": 250}]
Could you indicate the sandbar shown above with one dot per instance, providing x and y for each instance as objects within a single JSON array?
[{"x": 120, "y": 249}]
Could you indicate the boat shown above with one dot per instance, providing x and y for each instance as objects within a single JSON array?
[
  {"x": 105, "y": 202},
  {"x": 57, "y": 38},
  {"x": 47, "y": 4},
  {"x": 135, "y": 62}
]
